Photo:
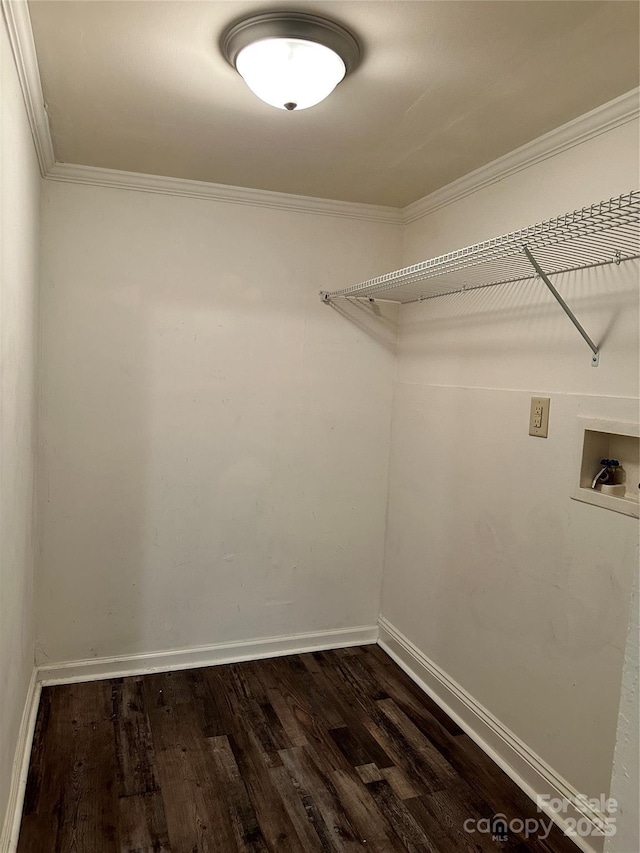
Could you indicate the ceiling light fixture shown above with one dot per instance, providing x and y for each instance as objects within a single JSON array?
[{"x": 290, "y": 60}]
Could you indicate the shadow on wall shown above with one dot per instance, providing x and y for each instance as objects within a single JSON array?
[
  {"x": 524, "y": 321},
  {"x": 379, "y": 320},
  {"x": 598, "y": 296}
]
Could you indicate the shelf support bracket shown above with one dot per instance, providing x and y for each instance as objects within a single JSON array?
[{"x": 595, "y": 358}]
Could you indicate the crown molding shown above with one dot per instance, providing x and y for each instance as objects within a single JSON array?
[
  {"x": 16, "y": 13},
  {"x": 18, "y": 22},
  {"x": 95, "y": 176},
  {"x": 604, "y": 118},
  {"x": 614, "y": 113}
]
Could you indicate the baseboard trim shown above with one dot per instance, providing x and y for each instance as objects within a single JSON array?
[
  {"x": 20, "y": 770},
  {"x": 533, "y": 775},
  {"x": 70, "y": 672}
]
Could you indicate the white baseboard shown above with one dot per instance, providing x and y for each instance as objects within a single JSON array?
[
  {"x": 93, "y": 669},
  {"x": 521, "y": 764},
  {"x": 533, "y": 775},
  {"x": 20, "y": 770}
]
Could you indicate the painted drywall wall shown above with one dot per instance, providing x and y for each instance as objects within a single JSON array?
[
  {"x": 215, "y": 439},
  {"x": 19, "y": 218},
  {"x": 518, "y": 592},
  {"x": 625, "y": 777}
]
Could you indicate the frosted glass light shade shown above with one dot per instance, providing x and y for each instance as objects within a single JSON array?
[{"x": 290, "y": 73}]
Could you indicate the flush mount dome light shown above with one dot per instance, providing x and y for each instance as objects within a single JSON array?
[{"x": 290, "y": 60}]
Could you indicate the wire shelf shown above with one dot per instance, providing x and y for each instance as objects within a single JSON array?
[{"x": 604, "y": 233}]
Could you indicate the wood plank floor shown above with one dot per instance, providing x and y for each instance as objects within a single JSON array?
[{"x": 329, "y": 751}]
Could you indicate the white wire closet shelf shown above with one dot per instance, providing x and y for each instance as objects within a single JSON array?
[{"x": 604, "y": 233}]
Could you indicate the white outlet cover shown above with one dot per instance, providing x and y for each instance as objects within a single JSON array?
[{"x": 539, "y": 416}]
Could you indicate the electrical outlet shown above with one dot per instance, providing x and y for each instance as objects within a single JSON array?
[{"x": 539, "y": 416}]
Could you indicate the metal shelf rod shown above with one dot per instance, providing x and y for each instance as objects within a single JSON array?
[{"x": 594, "y": 349}]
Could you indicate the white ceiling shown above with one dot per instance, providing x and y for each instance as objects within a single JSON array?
[{"x": 444, "y": 88}]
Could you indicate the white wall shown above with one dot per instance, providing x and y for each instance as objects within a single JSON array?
[
  {"x": 19, "y": 222},
  {"x": 625, "y": 777},
  {"x": 518, "y": 592},
  {"x": 216, "y": 440}
]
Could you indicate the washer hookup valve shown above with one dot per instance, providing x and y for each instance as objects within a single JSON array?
[{"x": 606, "y": 476}]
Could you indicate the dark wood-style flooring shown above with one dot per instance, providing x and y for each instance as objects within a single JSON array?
[{"x": 329, "y": 751}]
